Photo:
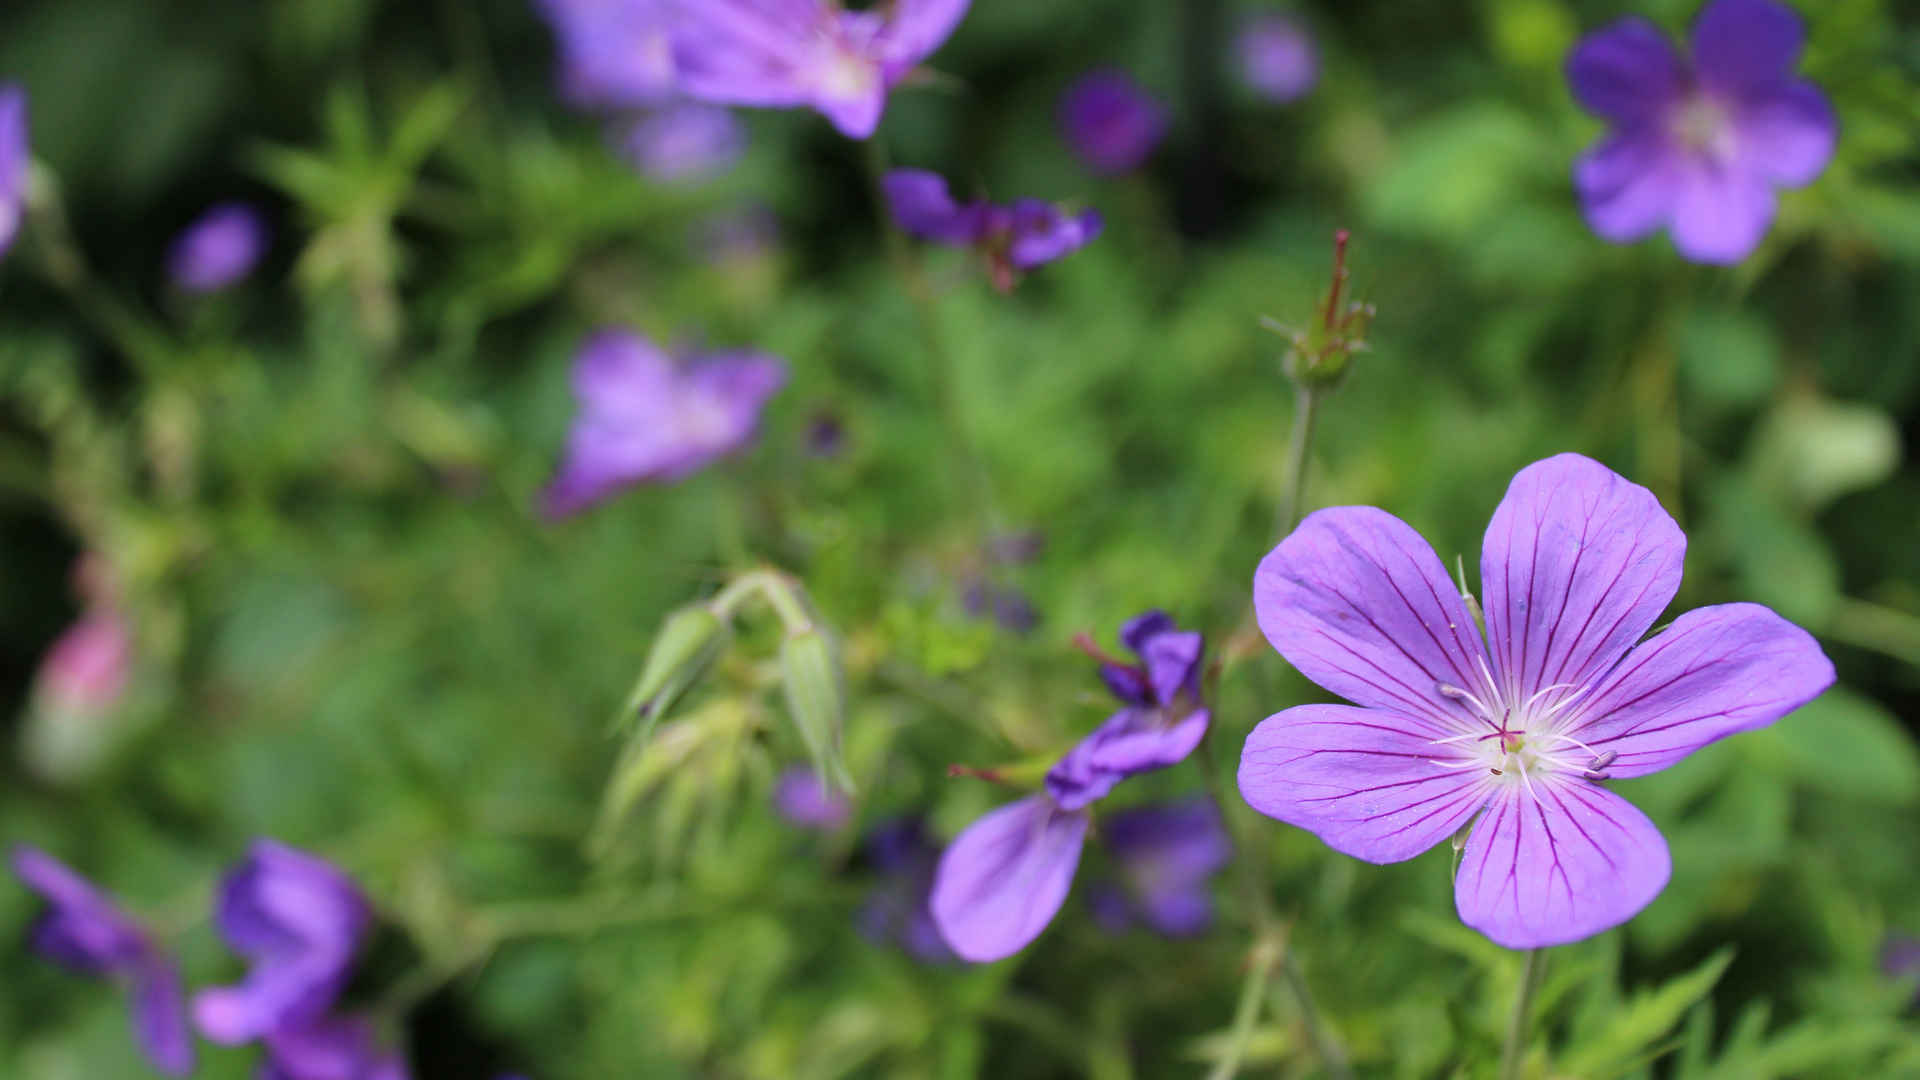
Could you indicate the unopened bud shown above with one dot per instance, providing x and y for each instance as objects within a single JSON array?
[
  {"x": 689, "y": 642},
  {"x": 810, "y": 674}
]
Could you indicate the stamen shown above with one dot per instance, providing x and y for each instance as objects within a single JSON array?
[
  {"x": 1452, "y": 692},
  {"x": 1598, "y": 770},
  {"x": 1544, "y": 691},
  {"x": 1610, "y": 755}
]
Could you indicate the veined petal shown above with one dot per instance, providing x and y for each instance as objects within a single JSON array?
[
  {"x": 1556, "y": 862},
  {"x": 1577, "y": 564},
  {"x": 1721, "y": 213},
  {"x": 1002, "y": 880},
  {"x": 1626, "y": 71},
  {"x": 1787, "y": 134},
  {"x": 1739, "y": 44},
  {"x": 1627, "y": 184},
  {"x": 1360, "y": 604},
  {"x": 1716, "y": 671},
  {"x": 916, "y": 29},
  {"x": 1369, "y": 782},
  {"x": 159, "y": 1010}
]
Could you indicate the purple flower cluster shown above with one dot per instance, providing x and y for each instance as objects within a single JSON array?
[
  {"x": 1012, "y": 239},
  {"x": 13, "y": 162},
  {"x": 1004, "y": 878}
]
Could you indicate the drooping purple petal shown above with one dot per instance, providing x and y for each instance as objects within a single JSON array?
[
  {"x": 1627, "y": 72},
  {"x": 1369, "y": 782},
  {"x": 1787, "y": 132},
  {"x": 1360, "y": 604},
  {"x": 915, "y": 29},
  {"x": 1742, "y": 44},
  {"x": 921, "y": 203},
  {"x": 1577, "y": 564},
  {"x": 1716, "y": 671},
  {"x": 1558, "y": 861},
  {"x": 1721, "y": 215},
  {"x": 13, "y": 162},
  {"x": 1131, "y": 741},
  {"x": 1002, "y": 880},
  {"x": 159, "y": 1010},
  {"x": 1628, "y": 184}
]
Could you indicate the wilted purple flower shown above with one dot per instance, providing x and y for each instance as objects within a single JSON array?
[
  {"x": 84, "y": 930},
  {"x": 1110, "y": 122},
  {"x": 299, "y": 921},
  {"x": 613, "y": 53},
  {"x": 802, "y": 799},
  {"x": 807, "y": 53},
  {"x": 1013, "y": 239},
  {"x": 330, "y": 1048},
  {"x": 13, "y": 162},
  {"x": 644, "y": 419},
  {"x": 684, "y": 142},
  {"x": 1165, "y": 856},
  {"x": 219, "y": 249},
  {"x": 1277, "y": 58},
  {"x": 1699, "y": 147},
  {"x": 1525, "y": 725},
  {"x": 897, "y": 910}
]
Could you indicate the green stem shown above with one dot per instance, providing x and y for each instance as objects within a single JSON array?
[
  {"x": 1306, "y": 411},
  {"x": 1515, "y": 1053},
  {"x": 1266, "y": 955},
  {"x": 1332, "y": 1054},
  {"x": 776, "y": 588}
]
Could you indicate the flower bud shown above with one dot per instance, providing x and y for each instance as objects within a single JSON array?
[
  {"x": 810, "y": 674},
  {"x": 690, "y": 640},
  {"x": 1318, "y": 355}
]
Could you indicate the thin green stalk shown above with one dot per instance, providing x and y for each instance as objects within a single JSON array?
[
  {"x": 1306, "y": 411},
  {"x": 1332, "y": 1054},
  {"x": 1515, "y": 1053},
  {"x": 1266, "y": 955}
]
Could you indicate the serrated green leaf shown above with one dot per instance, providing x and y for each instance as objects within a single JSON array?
[{"x": 1641, "y": 1022}]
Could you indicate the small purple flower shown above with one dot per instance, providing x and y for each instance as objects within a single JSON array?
[
  {"x": 807, "y": 53},
  {"x": 1111, "y": 123},
  {"x": 1699, "y": 147},
  {"x": 219, "y": 249},
  {"x": 330, "y": 1048},
  {"x": 898, "y": 910},
  {"x": 1163, "y": 721},
  {"x": 1277, "y": 58},
  {"x": 86, "y": 932},
  {"x": 613, "y": 53},
  {"x": 802, "y": 799},
  {"x": 299, "y": 921},
  {"x": 1013, "y": 239},
  {"x": 1165, "y": 856},
  {"x": 684, "y": 142},
  {"x": 644, "y": 419},
  {"x": 14, "y": 157},
  {"x": 1521, "y": 727}
]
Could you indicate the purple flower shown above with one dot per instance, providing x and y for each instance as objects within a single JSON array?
[
  {"x": 330, "y": 1048},
  {"x": 1165, "y": 856},
  {"x": 1163, "y": 721},
  {"x": 13, "y": 162},
  {"x": 684, "y": 142},
  {"x": 299, "y": 921},
  {"x": 1012, "y": 239},
  {"x": 1699, "y": 147},
  {"x": 219, "y": 249},
  {"x": 1277, "y": 58},
  {"x": 1900, "y": 959},
  {"x": 802, "y": 799},
  {"x": 644, "y": 419},
  {"x": 1111, "y": 123},
  {"x": 84, "y": 931},
  {"x": 898, "y": 910},
  {"x": 613, "y": 53},
  {"x": 807, "y": 53},
  {"x": 1522, "y": 727}
]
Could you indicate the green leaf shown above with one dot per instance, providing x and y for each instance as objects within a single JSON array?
[
  {"x": 1845, "y": 745},
  {"x": 1641, "y": 1022}
]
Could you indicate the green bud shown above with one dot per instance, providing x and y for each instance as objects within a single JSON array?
[
  {"x": 816, "y": 698},
  {"x": 689, "y": 642},
  {"x": 1318, "y": 355}
]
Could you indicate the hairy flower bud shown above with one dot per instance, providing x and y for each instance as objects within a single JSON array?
[
  {"x": 690, "y": 640},
  {"x": 810, "y": 674},
  {"x": 1318, "y": 354}
]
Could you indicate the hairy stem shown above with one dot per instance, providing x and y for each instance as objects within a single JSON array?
[
  {"x": 1306, "y": 411},
  {"x": 1515, "y": 1053}
]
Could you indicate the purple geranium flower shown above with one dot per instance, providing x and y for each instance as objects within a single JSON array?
[
  {"x": 1277, "y": 58},
  {"x": 13, "y": 162},
  {"x": 1163, "y": 722},
  {"x": 802, "y": 799},
  {"x": 684, "y": 142},
  {"x": 85, "y": 931},
  {"x": 811, "y": 53},
  {"x": 642, "y": 418},
  {"x": 1699, "y": 147},
  {"x": 613, "y": 53},
  {"x": 1013, "y": 239},
  {"x": 1520, "y": 728},
  {"x": 1165, "y": 856},
  {"x": 299, "y": 921},
  {"x": 330, "y": 1048},
  {"x": 219, "y": 249},
  {"x": 1110, "y": 122},
  {"x": 898, "y": 909}
]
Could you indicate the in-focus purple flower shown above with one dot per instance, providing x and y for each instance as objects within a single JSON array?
[
  {"x": 85, "y": 931},
  {"x": 330, "y": 1048},
  {"x": 645, "y": 419},
  {"x": 1165, "y": 856},
  {"x": 1013, "y": 239},
  {"x": 1520, "y": 728},
  {"x": 898, "y": 910},
  {"x": 1163, "y": 721},
  {"x": 298, "y": 921},
  {"x": 14, "y": 156},
  {"x": 684, "y": 142},
  {"x": 800, "y": 797},
  {"x": 613, "y": 53},
  {"x": 1277, "y": 58},
  {"x": 807, "y": 53},
  {"x": 1111, "y": 123},
  {"x": 218, "y": 249},
  {"x": 1698, "y": 147}
]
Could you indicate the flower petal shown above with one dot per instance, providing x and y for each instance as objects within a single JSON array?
[
  {"x": 1369, "y": 782},
  {"x": 1577, "y": 564},
  {"x": 1739, "y": 44},
  {"x": 923, "y": 206},
  {"x": 1003, "y": 879},
  {"x": 1558, "y": 862},
  {"x": 915, "y": 30},
  {"x": 1716, "y": 671},
  {"x": 1626, "y": 71},
  {"x": 160, "y": 1017},
  {"x": 1721, "y": 213},
  {"x": 1788, "y": 134},
  {"x": 1627, "y": 185},
  {"x": 1360, "y": 604}
]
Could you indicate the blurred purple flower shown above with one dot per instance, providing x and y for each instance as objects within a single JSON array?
[
  {"x": 613, "y": 53},
  {"x": 84, "y": 931},
  {"x": 14, "y": 157},
  {"x": 86, "y": 671},
  {"x": 800, "y": 797},
  {"x": 330, "y": 1048},
  {"x": 684, "y": 142},
  {"x": 1699, "y": 147},
  {"x": 897, "y": 911},
  {"x": 1277, "y": 58},
  {"x": 1009, "y": 606},
  {"x": 299, "y": 921},
  {"x": 643, "y": 419},
  {"x": 1165, "y": 856},
  {"x": 1111, "y": 123},
  {"x": 218, "y": 249},
  {"x": 1519, "y": 727},
  {"x": 1900, "y": 959},
  {"x": 826, "y": 435},
  {"x": 1017, "y": 548},
  {"x": 1013, "y": 239},
  {"x": 807, "y": 53}
]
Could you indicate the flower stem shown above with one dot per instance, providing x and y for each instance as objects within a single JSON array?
[
  {"x": 1305, "y": 412},
  {"x": 1515, "y": 1053},
  {"x": 1266, "y": 954},
  {"x": 1332, "y": 1054}
]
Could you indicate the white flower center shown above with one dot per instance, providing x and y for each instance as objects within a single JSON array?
[
  {"x": 1517, "y": 740},
  {"x": 847, "y": 76},
  {"x": 1704, "y": 126}
]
